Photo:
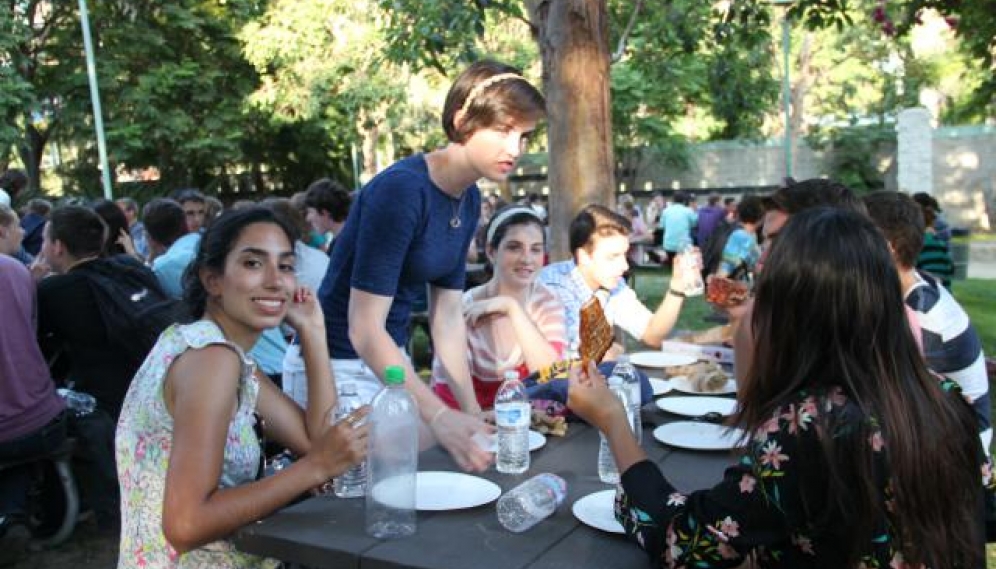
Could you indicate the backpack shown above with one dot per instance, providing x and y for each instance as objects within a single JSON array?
[
  {"x": 712, "y": 251},
  {"x": 132, "y": 304}
]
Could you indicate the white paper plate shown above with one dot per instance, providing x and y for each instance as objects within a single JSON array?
[
  {"x": 697, "y": 406},
  {"x": 681, "y": 383},
  {"x": 439, "y": 491},
  {"x": 698, "y": 436},
  {"x": 660, "y": 386},
  {"x": 597, "y": 511},
  {"x": 661, "y": 359},
  {"x": 490, "y": 443}
]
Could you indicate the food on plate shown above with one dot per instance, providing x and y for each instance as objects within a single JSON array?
[
  {"x": 726, "y": 292},
  {"x": 703, "y": 377},
  {"x": 596, "y": 332},
  {"x": 548, "y": 424}
]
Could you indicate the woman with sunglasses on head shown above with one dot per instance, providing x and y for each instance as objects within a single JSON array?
[
  {"x": 409, "y": 228},
  {"x": 855, "y": 456},
  {"x": 189, "y": 461},
  {"x": 514, "y": 323}
]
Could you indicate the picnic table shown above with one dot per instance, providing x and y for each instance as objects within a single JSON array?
[{"x": 326, "y": 531}]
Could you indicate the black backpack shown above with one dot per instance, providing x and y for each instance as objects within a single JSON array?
[
  {"x": 132, "y": 304},
  {"x": 712, "y": 251}
]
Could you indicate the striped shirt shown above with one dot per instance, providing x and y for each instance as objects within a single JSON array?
[
  {"x": 950, "y": 344},
  {"x": 492, "y": 345}
]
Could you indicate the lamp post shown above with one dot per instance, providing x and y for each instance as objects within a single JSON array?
[
  {"x": 786, "y": 85},
  {"x": 98, "y": 120}
]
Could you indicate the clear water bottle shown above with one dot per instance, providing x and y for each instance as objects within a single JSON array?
[
  {"x": 529, "y": 503},
  {"x": 79, "y": 403},
  {"x": 353, "y": 482},
  {"x": 512, "y": 417},
  {"x": 607, "y": 470},
  {"x": 631, "y": 380},
  {"x": 392, "y": 459},
  {"x": 691, "y": 264}
]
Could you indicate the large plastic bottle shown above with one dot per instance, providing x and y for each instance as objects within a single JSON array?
[
  {"x": 512, "y": 418},
  {"x": 530, "y": 502},
  {"x": 631, "y": 380},
  {"x": 607, "y": 470},
  {"x": 392, "y": 459},
  {"x": 353, "y": 482}
]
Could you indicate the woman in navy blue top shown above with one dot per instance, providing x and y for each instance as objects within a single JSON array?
[{"x": 410, "y": 228}]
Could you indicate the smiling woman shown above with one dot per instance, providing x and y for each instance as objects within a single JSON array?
[
  {"x": 188, "y": 456},
  {"x": 513, "y": 322}
]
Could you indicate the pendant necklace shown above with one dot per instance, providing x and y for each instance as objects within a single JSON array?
[{"x": 457, "y": 205}]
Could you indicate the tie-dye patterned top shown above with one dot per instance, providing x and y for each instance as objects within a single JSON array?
[
  {"x": 143, "y": 441},
  {"x": 759, "y": 509}
]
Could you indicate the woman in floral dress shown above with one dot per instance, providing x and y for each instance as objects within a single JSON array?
[
  {"x": 855, "y": 455},
  {"x": 188, "y": 457}
]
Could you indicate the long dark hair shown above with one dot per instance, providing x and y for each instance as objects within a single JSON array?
[
  {"x": 116, "y": 221},
  {"x": 829, "y": 313},
  {"x": 215, "y": 245}
]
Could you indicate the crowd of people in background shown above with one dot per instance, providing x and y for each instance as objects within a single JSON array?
[{"x": 259, "y": 308}]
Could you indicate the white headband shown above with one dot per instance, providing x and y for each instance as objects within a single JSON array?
[
  {"x": 480, "y": 87},
  {"x": 502, "y": 217}
]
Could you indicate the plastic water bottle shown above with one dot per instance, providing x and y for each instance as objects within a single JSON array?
[
  {"x": 392, "y": 459},
  {"x": 512, "y": 417},
  {"x": 691, "y": 263},
  {"x": 631, "y": 380},
  {"x": 353, "y": 482},
  {"x": 79, "y": 403},
  {"x": 607, "y": 470},
  {"x": 529, "y": 503}
]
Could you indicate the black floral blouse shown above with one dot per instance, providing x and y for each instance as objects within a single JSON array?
[{"x": 757, "y": 509}]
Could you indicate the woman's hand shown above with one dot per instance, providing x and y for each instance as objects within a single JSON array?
[
  {"x": 304, "y": 311},
  {"x": 481, "y": 309},
  {"x": 589, "y": 397},
  {"x": 457, "y": 433},
  {"x": 342, "y": 445},
  {"x": 126, "y": 243}
]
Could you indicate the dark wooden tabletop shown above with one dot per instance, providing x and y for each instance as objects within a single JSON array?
[{"x": 329, "y": 532}]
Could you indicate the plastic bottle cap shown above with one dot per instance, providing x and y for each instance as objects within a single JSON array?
[{"x": 394, "y": 375}]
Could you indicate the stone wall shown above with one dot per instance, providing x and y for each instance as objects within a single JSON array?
[{"x": 964, "y": 172}]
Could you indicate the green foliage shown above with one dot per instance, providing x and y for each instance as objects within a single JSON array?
[{"x": 854, "y": 151}]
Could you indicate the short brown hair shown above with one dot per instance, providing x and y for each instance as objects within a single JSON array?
[
  {"x": 502, "y": 102},
  {"x": 900, "y": 220},
  {"x": 594, "y": 220}
]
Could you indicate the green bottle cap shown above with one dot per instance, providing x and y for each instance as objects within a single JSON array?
[{"x": 394, "y": 375}]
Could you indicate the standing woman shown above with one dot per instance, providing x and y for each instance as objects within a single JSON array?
[
  {"x": 514, "y": 323},
  {"x": 856, "y": 456},
  {"x": 189, "y": 461},
  {"x": 410, "y": 227}
]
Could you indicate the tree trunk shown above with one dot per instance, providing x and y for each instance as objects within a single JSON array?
[
  {"x": 31, "y": 151},
  {"x": 573, "y": 39}
]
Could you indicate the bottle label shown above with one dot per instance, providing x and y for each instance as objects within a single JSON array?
[{"x": 512, "y": 415}]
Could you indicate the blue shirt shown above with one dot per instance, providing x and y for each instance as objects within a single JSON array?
[
  {"x": 169, "y": 266},
  {"x": 398, "y": 237},
  {"x": 741, "y": 249},
  {"x": 677, "y": 221},
  {"x": 621, "y": 306}
]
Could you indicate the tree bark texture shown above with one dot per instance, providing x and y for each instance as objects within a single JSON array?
[{"x": 574, "y": 45}]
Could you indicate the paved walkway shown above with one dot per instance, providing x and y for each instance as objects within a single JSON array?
[{"x": 982, "y": 260}]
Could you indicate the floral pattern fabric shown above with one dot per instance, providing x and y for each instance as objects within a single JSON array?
[
  {"x": 143, "y": 442},
  {"x": 759, "y": 508}
]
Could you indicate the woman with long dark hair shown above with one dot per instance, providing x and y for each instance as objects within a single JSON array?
[
  {"x": 187, "y": 452},
  {"x": 856, "y": 456}
]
